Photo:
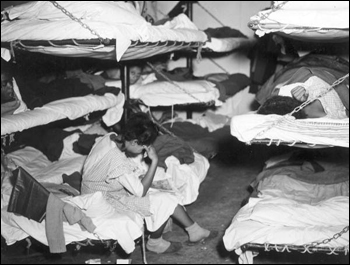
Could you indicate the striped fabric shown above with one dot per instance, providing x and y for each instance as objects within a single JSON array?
[{"x": 116, "y": 176}]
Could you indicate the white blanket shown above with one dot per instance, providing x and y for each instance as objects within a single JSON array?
[
  {"x": 291, "y": 212},
  {"x": 282, "y": 221},
  {"x": 181, "y": 180},
  {"x": 296, "y": 17},
  {"x": 320, "y": 131},
  {"x": 40, "y": 20},
  {"x": 71, "y": 108}
]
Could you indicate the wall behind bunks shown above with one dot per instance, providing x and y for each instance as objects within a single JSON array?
[{"x": 234, "y": 14}]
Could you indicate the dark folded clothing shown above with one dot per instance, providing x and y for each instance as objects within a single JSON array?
[
  {"x": 167, "y": 145},
  {"x": 224, "y": 32},
  {"x": 85, "y": 143},
  {"x": 107, "y": 89}
]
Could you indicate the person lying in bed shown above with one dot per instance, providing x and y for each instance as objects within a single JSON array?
[
  {"x": 308, "y": 84},
  {"x": 109, "y": 168},
  {"x": 10, "y": 98}
]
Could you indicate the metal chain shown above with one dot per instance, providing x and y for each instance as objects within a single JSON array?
[
  {"x": 71, "y": 16},
  {"x": 210, "y": 14},
  {"x": 337, "y": 82},
  {"x": 172, "y": 82},
  {"x": 327, "y": 240},
  {"x": 274, "y": 8},
  {"x": 303, "y": 105}
]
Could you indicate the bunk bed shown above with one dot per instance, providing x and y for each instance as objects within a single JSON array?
[
  {"x": 298, "y": 205},
  {"x": 311, "y": 132},
  {"x": 288, "y": 208},
  {"x": 316, "y": 23},
  {"x": 95, "y": 32}
]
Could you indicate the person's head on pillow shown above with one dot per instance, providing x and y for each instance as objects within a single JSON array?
[
  {"x": 7, "y": 92},
  {"x": 281, "y": 105}
]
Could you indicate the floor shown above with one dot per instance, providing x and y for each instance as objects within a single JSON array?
[{"x": 221, "y": 196}]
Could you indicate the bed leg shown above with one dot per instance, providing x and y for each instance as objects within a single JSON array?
[{"x": 245, "y": 257}]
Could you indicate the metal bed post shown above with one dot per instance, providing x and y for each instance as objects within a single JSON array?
[
  {"x": 189, "y": 59},
  {"x": 125, "y": 78}
]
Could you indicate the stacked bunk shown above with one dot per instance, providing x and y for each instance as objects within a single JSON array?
[
  {"x": 65, "y": 29},
  {"x": 288, "y": 209},
  {"x": 122, "y": 37},
  {"x": 299, "y": 204}
]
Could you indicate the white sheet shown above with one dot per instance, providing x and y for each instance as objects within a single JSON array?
[
  {"x": 247, "y": 228},
  {"x": 295, "y": 14},
  {"x": 288, "y": 212},
  {"x": 71, "y": 108},
  {"x": 110, "y": 23},
  {"x": 181, "y": 180},
  {"x": 320, "y": 131},
  {"x": 111, "y": 224},
  {"x": 163, "y": 93}
]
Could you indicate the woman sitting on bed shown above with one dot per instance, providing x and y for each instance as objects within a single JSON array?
[
  {"x": 109, "y": 168},
  {"x": 308, "y": 83}
]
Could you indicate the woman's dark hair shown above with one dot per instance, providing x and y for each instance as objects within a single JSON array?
[
  {"x": 140, "y": 127},
  {"x": 6, "y": 68},
  {"x": 281, "y": 105}
]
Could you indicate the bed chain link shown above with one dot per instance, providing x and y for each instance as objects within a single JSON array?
[
  {"x": 71, "y": 16},
  {"x": 327, "y": 240},
  {"x": 274, "y": 8},
  {"x": 337, "y": 82},
  {"x": 303, "y": 105},
  {"x": 172, "y": 82}
]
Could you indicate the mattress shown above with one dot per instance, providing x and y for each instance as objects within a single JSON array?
[
  {"x": 104, "y": 21},
  {"x": 71, "y": 108},
  {"x": 321, "y": 131},
  {"x": 325, "y": 21}
]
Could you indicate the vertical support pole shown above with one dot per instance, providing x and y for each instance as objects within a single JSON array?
[
  {"x": 189, "y": 59},
  {"x": 125, "y": 77}
]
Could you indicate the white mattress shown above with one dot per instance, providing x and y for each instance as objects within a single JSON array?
[
  {"x": 71, "y": 108},
  {"x": 42, "y": 21},
  {"x": 163, "y": 93},
  {"x": 262, "y": 221},
  {"x": 290, "y": 212},
  {"x": 325, "y": 20},
  {"x": 319, "y": 131}
]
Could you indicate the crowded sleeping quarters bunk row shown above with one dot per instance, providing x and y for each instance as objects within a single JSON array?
[{"x": 174, "y": 132}]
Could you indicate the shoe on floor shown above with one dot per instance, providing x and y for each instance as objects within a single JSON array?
[
  {"x": 173, "y": 248},
  {"x": 212, "y": 235}
]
